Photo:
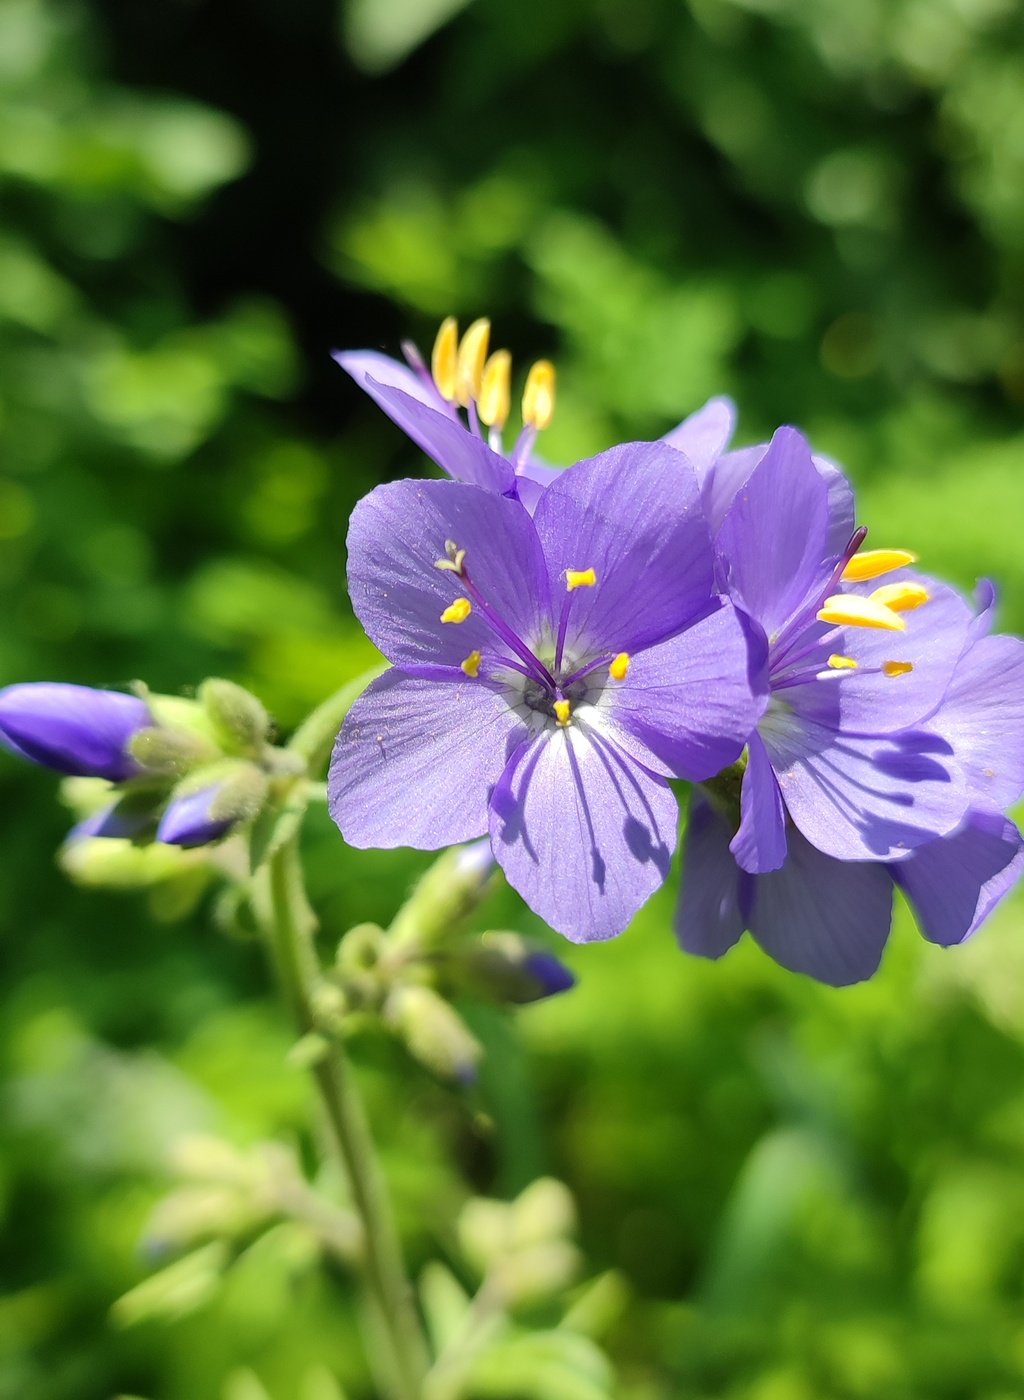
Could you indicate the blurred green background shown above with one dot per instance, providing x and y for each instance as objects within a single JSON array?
[{"x": 814, "y": 205}]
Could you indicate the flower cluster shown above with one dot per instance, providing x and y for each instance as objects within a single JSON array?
[{"x": 563, "y": 643}]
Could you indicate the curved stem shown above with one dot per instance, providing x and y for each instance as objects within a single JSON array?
[{"x": 290, "y": 924}]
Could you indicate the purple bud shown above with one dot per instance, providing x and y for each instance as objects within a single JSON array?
[
  {"x": 72, "y": 728},
  {"x": 116, "y": 820},
  {"x": 553, "y": 975},
  {"x": 188, "y": 821}
]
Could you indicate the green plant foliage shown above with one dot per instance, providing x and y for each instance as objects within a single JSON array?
[{"x": 784, "y": 1192}]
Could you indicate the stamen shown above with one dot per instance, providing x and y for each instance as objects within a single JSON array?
[
  {"x": 471, "y": 665},
  {"x": 444, "y": 357},
  {"x": 851, "y": 610},
  {"x": 457, "y": 611},
  {"x": 539, "y": 395},
  {"x": 495, "y": 397},
  {"x": 579, "y": 578},
  {"x": 897, "y": 668},
  {"x": 875, "y": 562},
  {"x": 901, "y": 597},
  {"x": 563, "y": 709},
  {"x": 841, "y": 663},
  {"x": 619, "y": 665},
  {"x": 454, "y": 561},
  {"x": 469, "y": 363}
]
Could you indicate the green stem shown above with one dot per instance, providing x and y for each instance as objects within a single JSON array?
[
  {"x": 290, "y": 926},
  {"x": 314, "y": 738}
]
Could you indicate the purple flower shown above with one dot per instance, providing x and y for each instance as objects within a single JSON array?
[
  {"x": 854, "y": 668},
  {"x": 703, "y": 438},
  {"x": 426, "y": 404},
  {"x": 830, "y": 918},
  {"x": 72, "y": 728},
  {"x": 190, "y": 820},
  {"x": 549, "y": 674}
]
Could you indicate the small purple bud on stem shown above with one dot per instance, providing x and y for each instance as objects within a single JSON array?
[{"x": 73, "y": 728}]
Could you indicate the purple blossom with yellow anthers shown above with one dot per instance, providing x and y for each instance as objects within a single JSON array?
[
  {"x": 73, "y": 728},
  {"x": 829, "y": 916},
  {"x": 549, "y": 674},
  {"x": 457, "y": 411},
  {"x": 463, "y": 378},
  {"x": 854, "y": 668}
]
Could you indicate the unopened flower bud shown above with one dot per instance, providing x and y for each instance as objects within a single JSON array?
[
  {"x": 237, "y": 715},
  {"x": 177, "y": 1290},
  {"x": 545, "y": 1210},
  {"x": 211, "y": 802},
  {"x": 194, "y": 1213},
  {"x": 447, "y": 893},
  {"x": 105, "y": 863},
  {"x": 169, "y": 752},
  {"x": 511, "y": 968},
  {"x": 72, "y": 728},
  {"x": 434, "y": 1033},
  {"x": 537, "y": 1272},
  {"x": 126, "y": 819},
  {"x": 485, "y": 1229}
]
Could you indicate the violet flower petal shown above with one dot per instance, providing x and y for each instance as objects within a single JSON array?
[
  {"x": 451, "y": 445},
  {"x": 760, "y": 843},
  {"x": 827, "y": 918},
  {"x": 864, "y": 797},
  {"x": 982, "y": 716},
  {"x": 416, "y": 759},
  {"x": 633, "y": 515},
  {"x": 693, "y": 700},
  {"x": 953, "y": 884},
  {"x": 72, "y": 728},
  {"x": 427, "y": 418},
  {"x": 582, "y": 832},
  {"x": 708, "y": 919},
  {"x": 373, "y": 371},
  {"x": 396, "y": 535},
  {"x": 774, "y": 536},
  {"x": 705, "y": 435}
]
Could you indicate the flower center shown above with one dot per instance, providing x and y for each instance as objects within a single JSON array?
[{"x": 552, "y": 686}]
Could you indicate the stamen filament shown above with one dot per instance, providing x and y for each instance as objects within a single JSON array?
[{"x": 537, "y": 669}]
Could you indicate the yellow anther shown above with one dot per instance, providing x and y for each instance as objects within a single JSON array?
[
  {"x": 618, "y": 668},
  {"x": 851, "y": 610},
  {"x": 471, "y": 665},
  {"x": 842, "y": 663},
  {"x": 495, "y": 397},
  {"x": 579, "y": 578},
  {"x": 470, "y": 361},
  {"x": 563, "y": 709},
  {"x": 539, "y": 395},
  {"x": 897, "y": 668},
  {"x": 444, "y": 357},
  {"x": 871, "y": 563},
  {"x": 901, "y": 597},
  {"x": 457, "y": 611}
]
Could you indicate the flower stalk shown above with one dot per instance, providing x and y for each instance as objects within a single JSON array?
[{"x": 289, "y": 923}]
